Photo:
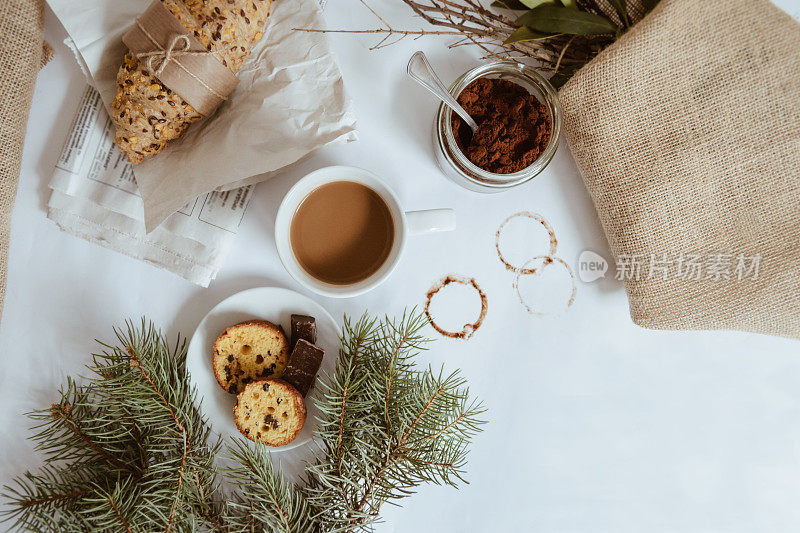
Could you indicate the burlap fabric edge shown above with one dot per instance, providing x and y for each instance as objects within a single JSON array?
[
  {"x": 21, "y": 54},
  {"x": 686, "y": 132}
]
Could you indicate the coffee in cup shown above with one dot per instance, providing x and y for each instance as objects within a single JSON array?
[{"x": 342, "y": 232}]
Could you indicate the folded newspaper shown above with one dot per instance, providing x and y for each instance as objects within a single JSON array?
[
  {"x": 290, "y": 101},
  {"x": 94, "y": 196}
]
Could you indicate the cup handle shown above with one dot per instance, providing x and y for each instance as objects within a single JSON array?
[{"x": 430, "y": 221}]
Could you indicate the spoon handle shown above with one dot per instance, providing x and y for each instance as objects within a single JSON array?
[{"x": 420, "y": 69}]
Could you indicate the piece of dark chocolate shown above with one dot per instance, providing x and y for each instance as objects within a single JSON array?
[
  {"x": 301, "y": 371},
  {"x": 303, "y": 327}
]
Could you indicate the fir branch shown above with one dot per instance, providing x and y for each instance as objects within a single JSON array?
[
  {"x": 36, "y": 501},
  {"x": 139, "y": 415},
  {"x": 108, "y": 510},
  {"x": 129, "y": 449},
  {"x": 52, "y": 498},
  {"x": 265, "y": 498},
  {"x": 63, "y": 413},
  {"x": 377, "y": 454},
  {"x": 354, "y": 340},
  {"x": 136, "y": 363},
  {"x": 76, "y": 429},
  {"x": 123, "y": 522}
]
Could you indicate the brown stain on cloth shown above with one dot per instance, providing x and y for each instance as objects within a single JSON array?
[
  {"x": 469, "y": 329},
  {"x": 533, "y": 216},
  {"x": 547, "y": 260}
]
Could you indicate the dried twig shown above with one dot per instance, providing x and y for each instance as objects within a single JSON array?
[
  {"x": 561, "y": 55},
  {"x": 388, "y": 31},
  {"x": 474, "y": 24}
]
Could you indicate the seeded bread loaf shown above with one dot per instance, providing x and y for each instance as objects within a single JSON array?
[
  {"x": 146, "y": 113},
  {"x": 249, "y": 351},
  {"x": 271, "y": 412}
]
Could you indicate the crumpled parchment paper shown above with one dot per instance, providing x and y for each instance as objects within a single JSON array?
[{"x": 290, "y": 100}]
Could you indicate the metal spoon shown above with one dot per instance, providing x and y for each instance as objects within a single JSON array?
[{"x": 420, "y": 69}]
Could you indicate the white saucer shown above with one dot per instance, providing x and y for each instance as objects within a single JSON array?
[{"x": 267, "y": 303}]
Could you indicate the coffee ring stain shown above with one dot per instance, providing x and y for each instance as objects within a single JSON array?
[
  {"x": 533, "y": 216},
  {"x": 469, "y": 329},
  {"x": 547, "y": 260}
]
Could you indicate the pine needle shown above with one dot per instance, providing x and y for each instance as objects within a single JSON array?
[{"x": 128, "y": 448}]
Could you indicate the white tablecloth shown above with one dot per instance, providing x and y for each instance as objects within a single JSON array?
[{"x": 595, "y": 424}]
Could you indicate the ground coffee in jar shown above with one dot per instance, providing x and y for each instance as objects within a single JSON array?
[{"x": 513, "y": 126}]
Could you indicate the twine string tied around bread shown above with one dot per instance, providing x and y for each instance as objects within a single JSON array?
[{"x": 178, "y": 46}]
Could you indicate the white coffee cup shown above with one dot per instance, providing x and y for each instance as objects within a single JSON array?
[{"x": 405, "y": 224}]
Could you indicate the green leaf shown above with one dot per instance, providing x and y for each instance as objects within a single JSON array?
[
  {"x": 572, "y": 4},
  {"x": 526, "y": 34},
  {"x": 552, "y": 19},
  {"x": 514, "y": 5},
  {"x": 622, "y": 11},
  {"x": 531, "y": 4}
]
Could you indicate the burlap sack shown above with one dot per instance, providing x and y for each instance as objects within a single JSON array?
[
  {"x": 687, "y": 134},
  {"x": 21, "y": 50}
]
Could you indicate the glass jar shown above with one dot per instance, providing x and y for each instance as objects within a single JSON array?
[{"x": 455, "y": 164}]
